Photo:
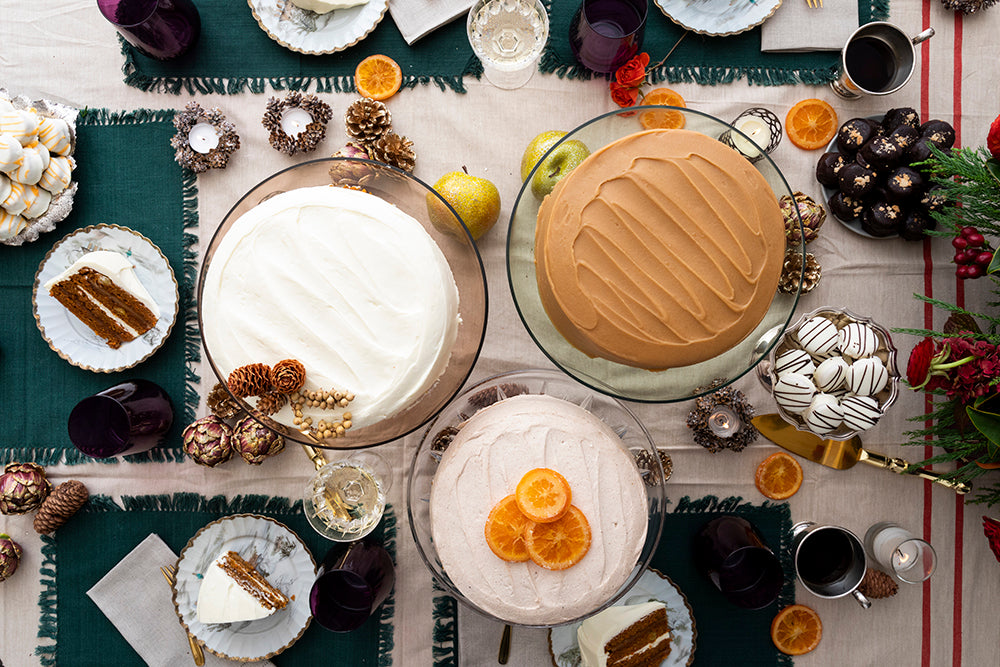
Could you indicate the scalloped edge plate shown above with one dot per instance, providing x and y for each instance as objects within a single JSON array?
[
  {"x": 70, "y": 338},
  {"x": 718, "y": 17},
  {"x": 281, "y": 556},
  {"x": 305, "y": 31}
]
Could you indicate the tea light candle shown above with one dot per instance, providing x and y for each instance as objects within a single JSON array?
[
  {"x": 756, "y": 129},
  {"x": 724, "y": 422},
  {"x": 203, "y": 137},
  {"x": 294, "y": 121},
  {"x": 898, "y": 551}
]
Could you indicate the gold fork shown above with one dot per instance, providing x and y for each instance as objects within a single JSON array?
[
  {"x": 814, "y": 4},
  {"x": 170, "y": 574}
]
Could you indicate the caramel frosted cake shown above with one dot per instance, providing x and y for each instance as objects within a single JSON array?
[
  {"x": 343, "y": 281},
  {"x": 626, "y": 636},
  {"x": 484, "y": 463},
  {"x": 662, "y": 249},
  {"x": 102, "y": 291},
  {"x": 232, "y": 591}
]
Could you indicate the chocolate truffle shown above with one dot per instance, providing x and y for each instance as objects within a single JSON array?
[
  {"x": 933, "y": 199},
  {"x": 904, "y": 184},
  {"x": 828, "y": 167},
  {"x": 882, "y": 152},
  {"x": 853, "y": 134},
  {"x": 865, "y": 162},
  {"x": 905, "y": 136},
  {"x": 882, "y": 219},
  {"x": 901, "y": 116},
  {"x": 915, "y": 224},
  {"x": 845, "y": 207},
  {"x": 919, "y": 151},
  {"x": 856, "y": 181},
  {"x": 939, "y": 133}
]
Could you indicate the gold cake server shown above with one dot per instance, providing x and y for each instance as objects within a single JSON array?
[{"x": 840, "y": 454}]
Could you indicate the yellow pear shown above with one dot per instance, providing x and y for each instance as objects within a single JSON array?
[
  {"x": 475, "y": 199},
  {"x": 536, "y": 149}
]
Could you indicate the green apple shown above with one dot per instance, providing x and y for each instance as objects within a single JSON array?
[
  {"x": 536, "y": 149},
  {"x": 475, "y": 199},
  {"x": 562, "y": 160}
]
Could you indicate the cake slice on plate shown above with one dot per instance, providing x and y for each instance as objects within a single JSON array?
[
  {"x": 628, "y": 636},
  {"x": 232, "y": 590}
]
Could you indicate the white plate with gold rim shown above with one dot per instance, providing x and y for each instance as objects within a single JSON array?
[
  {"x": 718, "y": 17},
  {"x": 305, "y": 31}
]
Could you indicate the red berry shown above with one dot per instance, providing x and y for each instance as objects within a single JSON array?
[
  {"x": 969, "y": 230},
  {"x": 974, "y": 270},
  {"x": 960, "y": 243},
  {"x": 963, "y": 272},
  {"x": 964, "y": 256},
  {"x": 976, "y": 240},
  {"x": 984, "y": 258}
]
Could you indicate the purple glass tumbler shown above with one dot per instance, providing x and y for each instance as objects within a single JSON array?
[
  {"x": 161, "y": 29},
  {"x": 731, "y": 552},
  {"x": 128, "y": 418},
  {"x": 605, "y": 34},
  {"x": 353, "y": 580}
]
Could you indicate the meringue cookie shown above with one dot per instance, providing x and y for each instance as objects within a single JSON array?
[
  {"x": 794, "y": 361},
  {"x": 11, "y": 151},
  {"x": 858, "y": 340},
  {"x": 831, "y": 374},
  {"x": 794, "y": 392},
  {"x": 14, "y": 203},
  {"x": 32, "y": 165},
  {"x": 818, "y": 336},
  {"x": 860, "y": 412},
  {"x": 22, "y": 125},
  {"x": 5, "y": 104},
  {"x": 54, "y": 133},
  {"x": 824, "y": 414},
  {"x": 4, "y": 187},
  {"x": 10, "y": 225},
  {"x": 867, "y": 377},
  {"x": 37, "y": 201},
  {"x": 58, "y": 175}
]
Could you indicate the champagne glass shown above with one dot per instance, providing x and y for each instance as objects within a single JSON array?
[{"x": 345, "y": 499}]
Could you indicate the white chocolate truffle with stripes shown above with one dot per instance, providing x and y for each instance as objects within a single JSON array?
[
  {"x": 860, "y": 412},
  {"x": 858, "y": 340},
  {"x": 14, "y": 202},
  {"x": 33, "y": 163},
  {"x": 867, "y": 377},
  {"x": 36, "y": 201},
  {"x": 4, "y": 187},
  {"x": 5, "y": 104},
  {"x": 22, "y": 125},
  {"x": 824, "y": 415},
  {"x": 794, "y": 361},
  {"x": 10, "y": 225},
  {"x": 11, "y": 152},
  {"x": 794, "y": 392},
  {"x": 831, "y": 374},
  {"x": 54, "y": 134},
  {"x": 818, "y": 336},
  {"x": 58, "y": 175}
]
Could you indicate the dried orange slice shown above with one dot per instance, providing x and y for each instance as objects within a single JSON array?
[
  {"x": 559, "y": 544},
  {"x": 378, "y": 77},
  {"x": 778, "y": 476},
  {"x": 505, "y": 528},
  {"x": 796, "y": 629},
  {"x": 663, "y": 118},
  {"x": 811, "y": 124},
  {"x": 543, "y": 495}
]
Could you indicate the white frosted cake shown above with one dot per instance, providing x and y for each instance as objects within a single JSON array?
[
  {"x": 343, "y": 281},
  {"x": 484, "y": 463},
  {"x": 232, "y": 591}
]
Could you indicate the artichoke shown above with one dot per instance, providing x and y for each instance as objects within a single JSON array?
[
  {"x": 10, "y": 556},
  {"x": 23, "y": 487},
  {"x": 813, "y": 216},
  {"x": 209, "y": 441},
  {"x": 351, "y": 173},
  {"x": 255, "y": 442}
]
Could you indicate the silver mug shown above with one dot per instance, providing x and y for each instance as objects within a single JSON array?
[
  {"x": 829, "y": 561},
  {"x": 878, "y": 59}
]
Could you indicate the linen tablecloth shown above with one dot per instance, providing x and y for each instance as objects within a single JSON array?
[{"x": 64, "y": 50}]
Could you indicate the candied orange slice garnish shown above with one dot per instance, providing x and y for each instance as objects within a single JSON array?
[
  {"x": 378, "y": 77},
  {"x": 796, "y": 629},
  {"x": 505, "y": 529},
  {"x": 559, "y": 544},
  {"x": 778, "y": 476},
  {"x": 811, "y": 124},
  {"x": 663, "y": 118},
  {"x": 543, "y": 495}
]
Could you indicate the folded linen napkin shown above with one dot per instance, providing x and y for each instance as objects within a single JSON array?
[
  {"x": 796, "y": 27},
  {"x": 137, "y": 600},
  {"x": 416, "y": 18}
]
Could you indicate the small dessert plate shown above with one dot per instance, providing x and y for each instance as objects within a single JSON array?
[
  {"x": 718, "y": 17},
  {"x": 70, "y": 338},
  {"x": 277, "y": 553},
  {"x": 305, "y": 31},
  {"x": 651, "y": 587}
]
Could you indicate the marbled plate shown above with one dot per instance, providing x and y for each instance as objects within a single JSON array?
[
  {"x": 278, "y": 554},
  {"x": 718, "y": 17},
  {"x": 307, "y": 32}
]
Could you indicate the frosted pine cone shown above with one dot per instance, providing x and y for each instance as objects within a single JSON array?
[
  {"x": 791, "y": 270},
  {"x": 366, "y": 120},
  {"x": 394, "y": 150}
]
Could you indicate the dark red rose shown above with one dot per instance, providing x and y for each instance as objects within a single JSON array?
[
  {"x": 622, "y": 96},
  {"x": 633, "y": 73},
  {"x": 991, "y": 528},
  {"x": 993, "y": 139},
  {"x": 919, "y": 364}
]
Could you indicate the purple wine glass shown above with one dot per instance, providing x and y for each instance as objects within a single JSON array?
[
  {"x": 730, "y": 551},
  {"x": 353, "y": 580},
  {"x": 128, "y": 418},
  {"x": 161, "y": 29},
  {"x": 605, "y": 34}
]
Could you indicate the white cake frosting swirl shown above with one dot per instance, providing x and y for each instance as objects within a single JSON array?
[
  {"x": 483, "y": 464},
  {"x": 343, "y": 281}
]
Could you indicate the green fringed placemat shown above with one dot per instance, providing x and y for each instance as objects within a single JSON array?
[
  {"x": 103, "y": 533},
  {"x": 726, "y": 634},
  {"x": 127, "y": 176},
  {"x": 703, "y": 59}
]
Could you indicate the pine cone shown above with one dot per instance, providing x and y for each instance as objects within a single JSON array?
[
  {"x": 644, "y": 461},
  {"x": 221, "y": 404},
  {"x": 271, "y": 402},
  {"x": 967, "y": 6},
  {"x": 366, "y": 120},
  {"x": 791, "y": 269},
  {"x": 250, "y": 380},
  {"x": 877, "y": 584},
  {"x": 62, "y": 503},
  {"x": 288, "y": 375},
  {"x": 394, "y": 150}
]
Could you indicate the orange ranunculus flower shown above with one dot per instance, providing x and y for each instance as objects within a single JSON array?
[
  {"x": 622, "y": 96},
  {"x": 633, "y": 73}
]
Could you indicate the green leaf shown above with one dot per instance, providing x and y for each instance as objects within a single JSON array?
[
  {"x": 993, "y": 168},
  {"x": 987, "y": 423},
  {"x": 994, "y": 264}
]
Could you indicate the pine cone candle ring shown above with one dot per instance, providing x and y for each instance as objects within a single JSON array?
[
  {"x": 10, "y": 556},
  {"x": 65, "y": 501},
  {"x": 208, "y": 441},
  {"x": 288, "y": 376},
  {"x": 308, "y": 138},
  {"x": 792, "y": 269},
  {"x": 255, "y": 442},
  {"x": 250, "y": 380},
  {"x": 183, "y": 142},
  {"x": 366, "y": 120},
  {"x": 23, "y": 487}
]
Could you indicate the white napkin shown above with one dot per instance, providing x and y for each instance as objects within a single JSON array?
[
  {"x": 138, "y": 601},
  {"x": 416, "y": 18},
  {"x": 796, "y": 27}
]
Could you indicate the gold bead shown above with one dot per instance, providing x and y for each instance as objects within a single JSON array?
[
  {"x": 347, "y": 416},
  {"x": 340, "y": 430},
  {"x": 347, "y": 423},
  {"x": 349, "y": 397},
  {"x": 327, "y": 433},
  {"x": 297, "y": 420}
]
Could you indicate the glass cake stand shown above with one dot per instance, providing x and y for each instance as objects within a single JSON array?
[
  {"x": 615, "y": 379},
  {"x": 635, "y": 438},
  {"x": 411, "y": 196}
]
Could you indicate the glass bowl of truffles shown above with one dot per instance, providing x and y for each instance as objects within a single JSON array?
[{"x": 832, "y": 373}]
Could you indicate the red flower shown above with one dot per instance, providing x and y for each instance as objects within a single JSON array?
[
  {"x": 919, "y": 365},
  {"x": 622, "y": 96},
  {"x": 991, "y": 528},
  {"x": 633, "y": 73},
  {"x": 993, "y": 139}
]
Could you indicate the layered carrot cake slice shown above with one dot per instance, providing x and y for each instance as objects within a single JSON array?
[
  {"x": 232, "y": 590},
  {"x": 627, "y": 636}
]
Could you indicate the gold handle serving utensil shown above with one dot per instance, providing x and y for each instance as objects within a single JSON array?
[
  {"x": 814, "y": 4},
  {"x": 170, "y": 574}
]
